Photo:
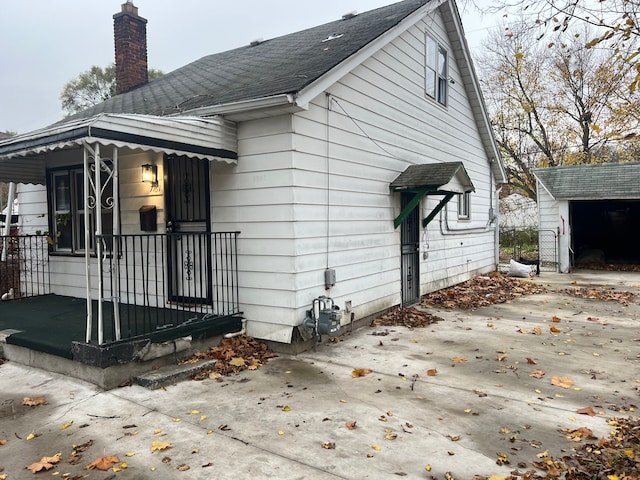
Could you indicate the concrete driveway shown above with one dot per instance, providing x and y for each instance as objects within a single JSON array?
[{"x": 291, "y": 418}]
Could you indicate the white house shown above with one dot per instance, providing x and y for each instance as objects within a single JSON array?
[{"x": 353, "y": 160}]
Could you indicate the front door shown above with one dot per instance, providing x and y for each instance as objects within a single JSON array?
[
  {"x": 188, "y": 225},
  {"x": 410, "y": 253}
]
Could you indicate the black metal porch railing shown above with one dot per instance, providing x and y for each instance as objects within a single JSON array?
[
  {"x": 24, "y": 266},
  {"x": 154, "y": 282}
]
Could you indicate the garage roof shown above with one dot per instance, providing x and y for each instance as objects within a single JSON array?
[{"x": 591, "y": 182}]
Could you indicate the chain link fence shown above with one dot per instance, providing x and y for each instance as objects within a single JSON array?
[{"x": 530, "y": 246}]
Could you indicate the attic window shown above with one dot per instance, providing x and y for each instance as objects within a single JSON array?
[
  {"x": 436, "y": 71},
  {"x": 333, "y": 36}
]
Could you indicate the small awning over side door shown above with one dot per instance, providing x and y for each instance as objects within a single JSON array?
[{"x": 447, "y": 179}]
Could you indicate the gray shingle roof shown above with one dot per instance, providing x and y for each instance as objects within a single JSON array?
[
  {"x": 584, "y": 182},
  {"x": 430, "y": 176},
  {"x": 278, "y": 66}
]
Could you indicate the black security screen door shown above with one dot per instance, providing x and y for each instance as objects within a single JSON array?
[
  {"x": 410, "y": 253},
  {"x": 188, "y": 225}
]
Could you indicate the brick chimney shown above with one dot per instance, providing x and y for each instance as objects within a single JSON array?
[{"x": 130, "y": 35}]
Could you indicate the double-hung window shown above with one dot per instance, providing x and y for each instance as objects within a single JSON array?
[
  {"x": 464, "y": 206},
  {"x": 69, "y": 212},
  {"x": 436, "y": 71}
]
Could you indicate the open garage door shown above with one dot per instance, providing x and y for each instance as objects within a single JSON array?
[{"x": 605, "y": 231}]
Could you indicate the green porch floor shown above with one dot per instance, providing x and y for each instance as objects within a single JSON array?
[{"x": 50, "y": 323}]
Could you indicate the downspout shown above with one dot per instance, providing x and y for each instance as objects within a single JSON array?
[
  {"x": 97, "y": 185},
  {"x": 242, "y": 331},
  {"x": 87, "y": 255},
  {"x": 7, "y": 220},
  {"x": 115, "y": 242}
]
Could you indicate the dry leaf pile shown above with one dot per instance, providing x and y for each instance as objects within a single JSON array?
[
  {"x": 409, "y": 317},
  {"x": 617, "y": 457},
  {"x": 482, "y": 291},
  {"x": 603, "y": 294},
  {"x": 234, "y": 355}
]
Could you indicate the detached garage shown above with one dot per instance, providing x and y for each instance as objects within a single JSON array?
[{"x": 595, "y": 210}]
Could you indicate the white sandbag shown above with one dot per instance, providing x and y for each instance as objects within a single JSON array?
[{"x": 519, "y": 270}]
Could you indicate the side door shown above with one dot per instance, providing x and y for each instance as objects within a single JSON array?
[{"x": 410, "y": 253}]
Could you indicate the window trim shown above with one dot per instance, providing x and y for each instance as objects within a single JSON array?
[
  {"x": 436, "y": 81},
  {"x": 76, "y": 211},
  {"x": 464, "y": 206}
]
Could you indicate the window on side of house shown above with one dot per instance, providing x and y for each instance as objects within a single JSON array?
[
  {"x": 69, "y": 212},
  {"x": 464, "y": 206},
  {"x": 436, "y": 70}
]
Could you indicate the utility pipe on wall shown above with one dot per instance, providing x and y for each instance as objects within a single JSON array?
[{"x": 7, "y": 220}]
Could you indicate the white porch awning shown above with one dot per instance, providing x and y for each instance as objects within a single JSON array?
[{"x": 22, "y": 157}]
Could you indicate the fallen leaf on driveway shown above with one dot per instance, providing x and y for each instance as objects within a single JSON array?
[
  {"x": 432, "y": 372},
  {"x": 531, "y": 361},
  {"x": 360, "y": 372},
  {"x": 597, "y": 320},
  {"x": 45, "y": 463},
  {"x": 537, "y": 374},
  {"x": 34, "y": 401},
  {"x": 103, "y": 463},
  {"x": 458, "y": 359},
  {"x": 554, "y": 329},
  {"x": 564, "y": 382},
  {"x": 237, "y": 362},
  {"x": 555, "y": 319},
  {"x": 587, "y": 411},
  {"x": 156, "y": 446},
  {"x": 120, "y": 467},
  {"x": 351, "y": 425},
  {"x": 3, "y": 441},
  {"x": 329, "y": 445},
  {"x": 66, "y": 425},
  {"x": 579, "y": 434}
]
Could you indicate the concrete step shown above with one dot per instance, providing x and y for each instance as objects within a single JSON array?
[
  {"x": 171, "y": 374},
  {"x": 3, "y": 338}
]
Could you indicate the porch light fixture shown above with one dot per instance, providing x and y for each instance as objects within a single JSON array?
[{"x": 150, "y": 174}]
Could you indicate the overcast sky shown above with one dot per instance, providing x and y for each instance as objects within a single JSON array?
[{"x": 46, "y": 43}]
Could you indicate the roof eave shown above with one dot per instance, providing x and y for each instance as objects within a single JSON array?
[
  {"x": 250, "y": 109},
  {"x": 134, "y": 131}
]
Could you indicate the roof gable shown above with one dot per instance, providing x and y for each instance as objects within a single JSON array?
[{"x": 591, "y": 182}]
